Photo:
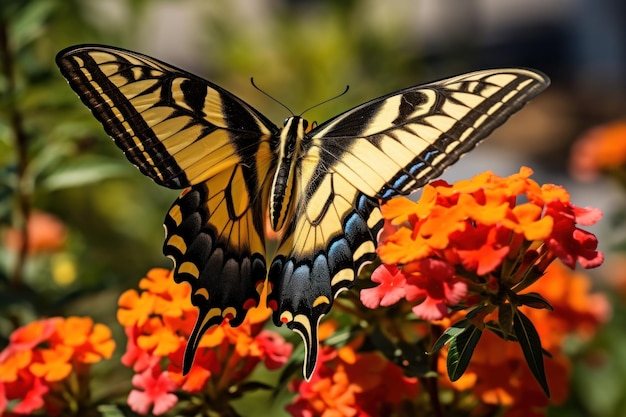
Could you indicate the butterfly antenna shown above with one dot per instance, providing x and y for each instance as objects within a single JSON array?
[
  {"x": 269, "y": 96},
  {"x": 327, "y": 100}
]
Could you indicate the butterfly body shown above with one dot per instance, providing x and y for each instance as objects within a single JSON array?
[
  {"x": 247, "y": 183},
  {"x": 284, "y": 183}
]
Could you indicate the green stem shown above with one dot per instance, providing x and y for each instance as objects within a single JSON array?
[
  {"x": 21, "y": 147},
  {"x": 431, "y": 383}
]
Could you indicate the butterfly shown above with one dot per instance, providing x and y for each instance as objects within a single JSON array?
[{"x": 291, "y": 208}]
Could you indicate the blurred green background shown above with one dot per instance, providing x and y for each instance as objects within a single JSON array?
[{"x": 301, "y": 52}]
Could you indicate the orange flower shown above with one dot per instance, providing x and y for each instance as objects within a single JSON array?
[
  {"x": 90, "y": 342},
  {"x": 55, "y": 363},
  {"x": 350, "y": 383},
  {"x": 12, "y": 362},
  {"x": 159, "y": 319},
  {"x": 600, "y": 149},
  {"x": 158, "y": 339},
  {"x": 135, "y": 309},
  {"x": 473, "y": 233},
  {"x": 45, "y": 233},
  {"x": 576, "y": 309},
  {"x": 43, "y": 355},
  {"x": 476, "y": 245}
]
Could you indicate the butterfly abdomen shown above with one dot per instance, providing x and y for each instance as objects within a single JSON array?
[{"x": 283, "y": 184}]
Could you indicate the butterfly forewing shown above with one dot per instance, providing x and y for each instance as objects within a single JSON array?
[
  {"x": 168, "y": 122},
  {"x": 409, "y": 137},
  {"x": 183, "y": 131}
]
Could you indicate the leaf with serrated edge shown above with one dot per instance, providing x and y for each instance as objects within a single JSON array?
[
  {"x": 531, "y": 346},
  {"x": 461, "y": 350}
]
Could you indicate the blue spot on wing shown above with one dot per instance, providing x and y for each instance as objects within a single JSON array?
[{"x": 339, "y": 255}]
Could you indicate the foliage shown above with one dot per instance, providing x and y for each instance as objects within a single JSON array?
[{"x": 468, "y": 273}]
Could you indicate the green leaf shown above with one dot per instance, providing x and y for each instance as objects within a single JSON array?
[
  {"x": 534, "y": 300},
  {"x": 461, "y": 351},
  {"x": 528, "y": 339},
  {"x": 449, "y": 334},
  {"x": 505, "y": 319},
  {"x": 474, "y": 312},
  {"x": 29, "y": 22},
  {"x": 84, "y": 173},
  {"x": 495, "y": 328},
  {"x": 115, "y": 410},
  {"x": 291, "y": 370}
]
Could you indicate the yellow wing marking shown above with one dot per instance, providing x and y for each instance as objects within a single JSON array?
[
  {"x": 177, "y": 242},
  {"x": 189, "y": 268},
  {"x": 175, "y": 214},
  {"x": 320, "y": 300},
  {"x": 345, "y": 275}
]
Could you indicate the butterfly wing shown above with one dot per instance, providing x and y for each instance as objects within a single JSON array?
[
  {"x": 386, "y": 147},
  {"x": 183, "y": 131}
]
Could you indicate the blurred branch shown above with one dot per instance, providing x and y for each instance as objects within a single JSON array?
[{"x": 21, "y": 148}]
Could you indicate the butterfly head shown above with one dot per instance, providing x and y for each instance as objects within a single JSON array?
[{"x": 296, "y": 120}]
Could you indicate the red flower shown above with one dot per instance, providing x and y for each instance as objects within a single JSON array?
[
  {"x": 350, "y": 383},
  {"x": 483, "y": 248},
  {"x": 569, "y": 243},
  {"x": 391, "y": 289},
  {"x": 32, "y": 392},
  {"x": 275, "y": 349},
  {"x": 157, "y": 392},
  {"x": 134, "y": 356},
  {"x": 434, "y": 285}
]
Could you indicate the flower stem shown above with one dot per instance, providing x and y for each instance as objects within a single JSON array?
[
  {"x": 431, "y": 383},
  {"x": 21, "y": 147}
]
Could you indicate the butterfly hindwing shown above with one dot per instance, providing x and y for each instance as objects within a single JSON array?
[
  {"x": 321, "y": 256},
  {"x": 214, "y": 236}
]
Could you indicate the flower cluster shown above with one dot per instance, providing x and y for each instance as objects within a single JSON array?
[
  {"x": 601, "y": 149},
  {"x": 158, "y": 322},
  {"x": 471, "y": 241},
  {"x": 351, "y": 383},
  {"x": 43, "y": 356}
]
